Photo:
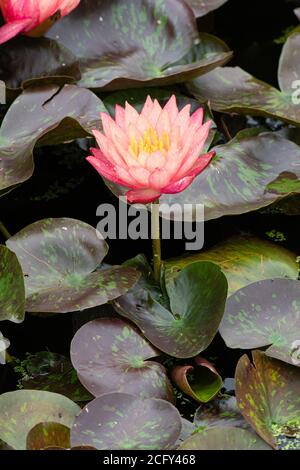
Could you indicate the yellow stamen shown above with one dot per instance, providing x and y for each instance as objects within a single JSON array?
[{"x": 149, "y": 143}]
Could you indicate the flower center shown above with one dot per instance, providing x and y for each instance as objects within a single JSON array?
[{"x": 149, "y": 143}]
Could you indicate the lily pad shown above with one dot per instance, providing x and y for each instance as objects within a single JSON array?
[
  {"x": 139, "y": 43},
  {"x": 110, "y": 355},
  {"x": 262, "y": 314},
  {"x": 12, "y": 290},
  {"x": 4, "y": 344},
  {"x": 21, "y": 410},
  {"x": 44, "y": 435},
  {"x": 200, "y": 381},
  {"x": 243, "y": 259},
  {"x": 202, "y": 7},
  {"x": 268, "y": 395},
  {"x": 120, "y": 421},
  {"x": 220, "y": 412},
  {"x": 45, "y": 115},
  {"x": 247, "y": 173},
  {"x": 183, "y": 324},
  {"x": 227, "y": 438},
  {"x": 59, "y": 258},
  {"x": 53, "y": 372},
  {"x": 32, "y": 61},
  {"x": 231, "y": 89}
]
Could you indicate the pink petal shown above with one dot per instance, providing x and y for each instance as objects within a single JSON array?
[
  {"x": 66, "y": 6},
  {"x": 155, "y": 161},
  {"x": 159, "y": 178},
  {"x": 178, "y": 186},
  {"x": 120, "y": 116},
  {"x": 197, "y": 117},
  {"x": 155, "y": 113},
  {"x": 12, "y": 29},
  {"x": 142, "y": 195},
  {"x": 108, "y": 148},
  {"x": 172, "y": 108},
  {"x": 163, "y": 123},
  {"x": 105, "y": 169},
  {"x": 140, "y": 174},
  {"x": 107, "y": 123},
  {"x": 131, "y": 115},
  {"x": 201, "y": 163},
  {"x": 183, "y": 120},
  {"x": 148, "y": 106}
]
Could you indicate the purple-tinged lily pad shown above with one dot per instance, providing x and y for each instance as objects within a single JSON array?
[
  {"x": 244, "y": 259},
  {"x": 247, "y": 173},
  {"x": 202, "y": 7},
  {"x": 262, "y": 314},
  {"x": 227, "y": 438},
  {"x": 232, "y": 90},
  {"x": 221, "y": 412},
  {"x": 183, "y": 323},
  {"x": 21, "y": 410},
  {"x": 4, "y": 344},
  {"x": 12, "y": 290},
  {"x": 28, "y": 61},
  {"x": 59, "y": 258},
  {"x": 268, "y": 395},
  {"x": 200, "y": 381},
  {"x": 111, "y": 355},
  {"x": 44, "y": 115},
  {"x": 53, "y": 372},
  {"x": 44, "y": 435},
  {"x": 119, "y": 421},
  {"x": 137, "y": 43}
]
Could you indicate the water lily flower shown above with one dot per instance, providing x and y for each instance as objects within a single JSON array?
[
  {"x": 155, "y": 152},
  {"x": 32, "y": 17}
]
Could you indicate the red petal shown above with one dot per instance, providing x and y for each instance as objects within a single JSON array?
[{"x": 12, "y": 29}]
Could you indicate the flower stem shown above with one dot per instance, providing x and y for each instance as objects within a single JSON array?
[
  {"x": 155, "y": 234},
  {"x": 4, "y": 231}
]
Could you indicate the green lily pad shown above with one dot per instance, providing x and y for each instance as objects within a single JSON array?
[
  {"x": 247, "y": 173},
  {"x": 184, "y": 322},
  {"x": 44, "y": 435},
  {"x": 262, "y": 314},
  {"x": 227, "y": 438},
  {"x": 220, "y": 412},
  {"x": 52, "y": 116},
  {"x": 244, "y": 259},
  {"x": 231, "y": 89},
  {"x": 21, "y": 410},
  {"x": 268, "y": 395},
  {"x": 110, "y": 355},
  {"x": 120, "y": 421},
  {"x": 202, "y": 7},
  {"x": 53, "y": 372},
  {"x": 34, "y": 61},
  {"x": 12, "y": 290},
  {"x": 59, "y": 258},
  {"x": 140, "y": 43},
  {"x": 200, "y": 381}
]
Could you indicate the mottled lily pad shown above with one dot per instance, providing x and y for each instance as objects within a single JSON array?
[
  {"x": 44, "y": 435},
  {"x": 220, "y": 412},
  {"x": 32, "y": 61},
  {"x": 59, "y": 258},
  {"x": 243, "y": 259},
  {"x": 227, "y": 438},
  {"x": 231, "y": 89},
  {"x": 247, "y": 173},
  {"x": 268, "y": 395},
  {"x": 184, "y": 322},
  {"x": 110, "y": 355},
  {"x": 21, "y": 410},
  {"x": 53, "y": 372},
  {"x": 137, "y": 43},
  {"x": 119, "y": 421},
  {"x": 202, "y": 7},
  {"x": 200, "y": 381},
  {"x": 44, "y": 115},
  {"x": 262, "y": 314},
  {"x": 12, "y": 290}
]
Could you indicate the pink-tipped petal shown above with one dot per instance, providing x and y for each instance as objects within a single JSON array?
[
  {"x": 201, "y": 163},
  {"x": 143, "y": 196},
  {"x": 178, "y": 186},
  {"x": 105, "y": 169},
  {"x": 155, "y": 113},
  {"x": 12, "y": 29},
  {"x": 107, "y": 123},
  {"x": 120, "y": 116},
  {"x": 131, "y": 115},
  {"x": 172, "y": 108},
  {"x": 148, "y": 106},
  {"x": 197, "y": 117}
]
